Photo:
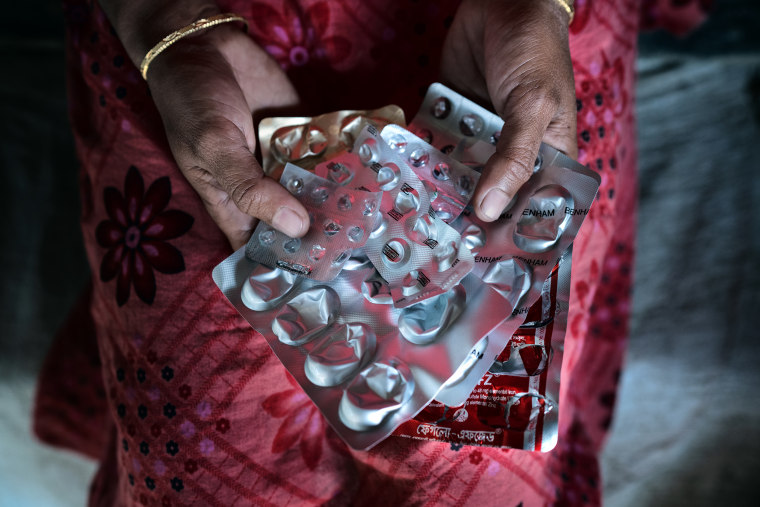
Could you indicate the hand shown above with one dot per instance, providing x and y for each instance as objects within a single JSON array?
[
  {"x": 513, "y": 55},
  {"x": 207, "y": 89}
]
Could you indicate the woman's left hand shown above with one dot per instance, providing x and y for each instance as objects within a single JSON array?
[{"x": 513, "y": 55}]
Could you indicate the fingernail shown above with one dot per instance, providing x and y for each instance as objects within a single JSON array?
[
  {"x": 288, "y": 221},
  {"x": 494, "y": 203}
]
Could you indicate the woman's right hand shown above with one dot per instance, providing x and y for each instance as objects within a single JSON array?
[{"x": 207, "y": 88}]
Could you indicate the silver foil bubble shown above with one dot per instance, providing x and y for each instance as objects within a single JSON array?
[
  {"x": 512, "y": 278},
  {"x": 340, "y": 353},
  {"x": 423, "y": 322},
  {"x": 266, "y": 287},
  {"x": 474, "y": 238},
  {"x": 306, "y": 316},
  {"x": 544, "y": 219},
  {"x": 379, "y": 390},
  {"x": 375, "y": 289}
]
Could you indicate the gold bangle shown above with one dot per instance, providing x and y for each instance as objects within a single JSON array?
[
  {"x": 568, "y": 8},
  {"x": 173, "y": 37}
]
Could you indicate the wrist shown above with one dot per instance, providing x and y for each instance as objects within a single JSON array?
[{"x": 141, "y": 24}]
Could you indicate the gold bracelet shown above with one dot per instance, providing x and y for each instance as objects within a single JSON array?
[
  {"x": 173, "y": 37},
  {"x": 568, "y": 8}
]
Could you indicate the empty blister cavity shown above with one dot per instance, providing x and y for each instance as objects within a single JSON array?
[
  {"x": 413, "y": 283},
  {"x": 345, "y": 202},
  {"x": 306, "y": 316},
  {"x": 397, "y": 143},
  {"x": 388, "y": 176},
  {"x": 368, "y": 152},
  {"x": 357, "y": 261},
  {"x": 267, "y": 236},
  {"x": 355, "y": 234},
  {"x": 266, "y": 287},
  {"x": 339, "y": 173},
  {"x": 292, "y": 245},
  {"x": 544, "y": 220},
  {"x": 419, "y": 157},
  {"x": 441, "y": 108},
  {"x": 472, "y": 359},
  {"x": 442, "y": 171},
  {"x": 471, "y": 125},
  {"x": 512, "y": 278},
  {"x": 296, "y": 142},
  {"x": 375, "y": 393},
  {"x": 375, "y": 289},
  {"x": 295, "y": 186},
  {"x": 422, "y": 323},
  {"x": 319, "y": 195},
  {"x": 445, "y": 257},
  {"x": 474, "y": 238},
  {"x": 340, "y": 353},
  {"x": 423, "y": 230},
  {"x": 331, "y": 227},
  {"x": 407, "y": 200}
]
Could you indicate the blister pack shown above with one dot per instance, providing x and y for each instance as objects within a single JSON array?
[
  {"x": 449, "y": 183},
  {"x": 521, "y": 245},
  {"x": 341, "y": 221},
  {"x": 516, "y": 402},
  {"x": 412, "y": 249},
  {"x": 372, "y": 363},
  {"x": 368, "y": 366},
  {"x": 307, "y": 141}
]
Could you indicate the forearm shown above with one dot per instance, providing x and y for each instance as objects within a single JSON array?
[{"x": 140, "y": 24}]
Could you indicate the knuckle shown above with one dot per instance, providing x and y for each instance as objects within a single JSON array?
[
  {"x": 247, "y": 196},
  {"x": 519, "y": 163}
]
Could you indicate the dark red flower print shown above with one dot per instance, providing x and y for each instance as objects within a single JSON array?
[
  {"x": 302, "y": 424},
  {"x": 294, "y": 37},
  {"x": 191, "y": 466},
  {"x": 476, "y": 457},
  {"x": 185, "y": 391},
  {"x": 223, "y": 425},
  {"x": 135, "y": 235}
]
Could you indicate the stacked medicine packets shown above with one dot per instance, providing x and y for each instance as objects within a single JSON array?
[{"x": 381, "y": 307}]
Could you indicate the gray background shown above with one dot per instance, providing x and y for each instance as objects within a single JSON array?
[{"x": 687, "y": 427}]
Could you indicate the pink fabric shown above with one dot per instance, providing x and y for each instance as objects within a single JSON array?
[{"x": 198, "y": 409}]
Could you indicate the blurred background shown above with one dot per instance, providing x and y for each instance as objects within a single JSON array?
[{"x": 686, "y": 430}]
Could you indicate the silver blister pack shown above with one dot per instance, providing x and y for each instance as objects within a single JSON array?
[
  {"x": 367, "y": 365},
  {"x": 516, "y": 253},
  {"x": 341, "y": 220},
  {"x": 449, "y": 183},
  {"x": 417, "y": 253},
  {"x": 307, "y": 141}
]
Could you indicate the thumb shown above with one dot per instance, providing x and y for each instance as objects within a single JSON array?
[
  {"x": 527, "y": 114},
  {"x": 256, "y": 195}
]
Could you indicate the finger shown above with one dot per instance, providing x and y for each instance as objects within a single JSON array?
[
  {"x": 527, "y": 114},
  {"x": 254, "y": 194},
  {"x": 236, "y": 225}
]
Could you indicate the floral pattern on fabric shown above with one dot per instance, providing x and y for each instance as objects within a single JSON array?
[
  {"x": 302, "y": 423},
  {"x": 294, "y": 36},
  {"x": 135, "y": 235}
]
